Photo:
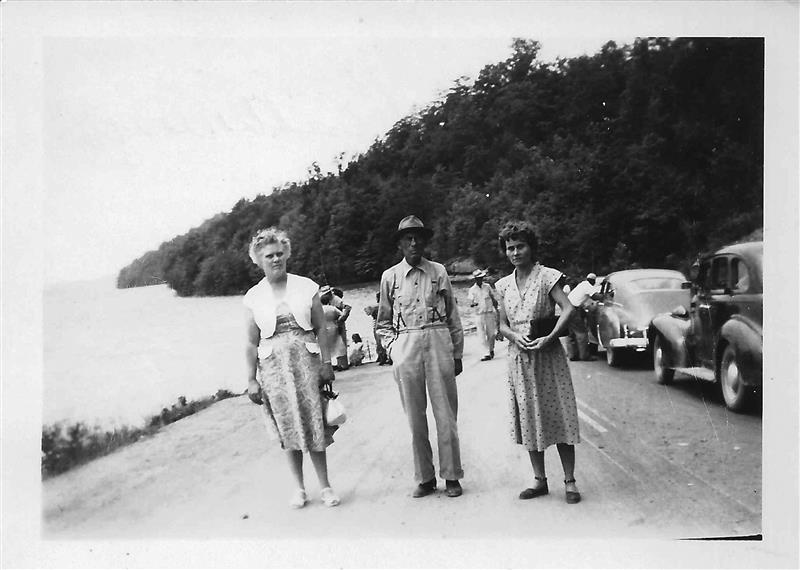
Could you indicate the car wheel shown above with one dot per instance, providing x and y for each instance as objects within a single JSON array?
[
  {"x": 664, "y": 375},
  {"x": 734, "y": 391},
  {"x": 613, "y": 356}
]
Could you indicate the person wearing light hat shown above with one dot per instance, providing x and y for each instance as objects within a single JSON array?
[
  {"x": 581, "y": 297},
  {"x": 482, "y": 298},
  {"x": 420, "y": 327}
]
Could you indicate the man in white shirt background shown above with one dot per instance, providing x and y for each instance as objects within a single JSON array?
[
  {"x": 581, "y": 297},
  {"x": 482, "y": 299}
]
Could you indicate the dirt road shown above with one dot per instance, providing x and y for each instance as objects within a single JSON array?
[{"x": 214, "y": 475}]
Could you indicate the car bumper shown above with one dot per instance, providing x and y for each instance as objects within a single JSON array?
[{"x": 631, "y": 343}]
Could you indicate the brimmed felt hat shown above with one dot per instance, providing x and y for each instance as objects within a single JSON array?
[
  {"x": 412, "y": 223},
  {"x": 479, "y": 273},
  {"x": 591, "y": 276},
  {"x": 324, "y": 290}
]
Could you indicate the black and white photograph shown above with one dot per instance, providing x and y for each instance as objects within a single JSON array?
[{"x": 400, "y": 284}]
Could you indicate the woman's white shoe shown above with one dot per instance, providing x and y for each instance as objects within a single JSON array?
[
  {"x": 299, "y": 499},
  {"x": 329, "y": 497}
]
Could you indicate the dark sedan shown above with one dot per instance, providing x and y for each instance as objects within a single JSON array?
[
  {"x": 720, "y": 337},
  {"x": 628, "y": 302}
]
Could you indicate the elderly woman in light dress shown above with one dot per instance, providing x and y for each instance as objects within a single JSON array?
[{"x": 288, "y": 361}]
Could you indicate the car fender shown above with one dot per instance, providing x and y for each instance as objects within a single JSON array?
[
  {"x": 609, "y": 326},
  {"x": 674, "y": 331},
  {"x": 747, "y": 338}
]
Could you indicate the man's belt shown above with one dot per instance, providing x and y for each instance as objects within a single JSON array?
[{"x": 434, "y": 325}]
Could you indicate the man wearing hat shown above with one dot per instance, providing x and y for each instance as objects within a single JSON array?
[
  {"x": 420, "y": 327},
  {"x": 581, "y": 297},
  {"x": 481, "y": 298}
]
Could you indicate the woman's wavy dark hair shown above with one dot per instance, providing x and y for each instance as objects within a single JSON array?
[{"x": 520, "y": 231}]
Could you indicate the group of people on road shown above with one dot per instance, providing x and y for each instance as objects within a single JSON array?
[{"x": 417, "y": 323}]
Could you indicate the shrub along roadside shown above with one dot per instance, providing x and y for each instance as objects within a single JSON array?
[{"x": 65, "y": 446}]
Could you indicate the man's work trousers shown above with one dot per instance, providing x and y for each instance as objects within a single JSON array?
[
  {"x": 487, "y": 330},
  {"x": 578, "y": 342},
  {"x": 423, "y": 359}
]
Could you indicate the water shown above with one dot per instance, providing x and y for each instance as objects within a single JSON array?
[{"x": 114, "y": 357}]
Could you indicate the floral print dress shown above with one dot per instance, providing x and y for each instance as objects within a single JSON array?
[
  {"x": 289, "y": 379},
  {"x": 541, "y": 397}
]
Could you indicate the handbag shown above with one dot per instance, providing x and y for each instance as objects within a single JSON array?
[
  {"x": 332, "y": 409},
  {"x": 542, "y": 327}
]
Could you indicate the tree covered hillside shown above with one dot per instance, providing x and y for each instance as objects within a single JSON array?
[{"x": 639, "y": 155}]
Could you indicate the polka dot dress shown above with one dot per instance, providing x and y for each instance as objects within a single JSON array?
[{"x": 541, "y": 397}]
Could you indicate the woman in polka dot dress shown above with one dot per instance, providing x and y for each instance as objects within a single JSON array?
[{"x": 541, "y": 396}]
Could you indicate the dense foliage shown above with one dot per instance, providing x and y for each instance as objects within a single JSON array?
[{"x": 639, "y": 155}]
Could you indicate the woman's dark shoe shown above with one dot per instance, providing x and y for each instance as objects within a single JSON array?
[
  {"x": 453, "y": 488},
  {"x": 424, "y": 489},
  {"x": 572, "y": 497},
  {"x": 537, "y": 491}
]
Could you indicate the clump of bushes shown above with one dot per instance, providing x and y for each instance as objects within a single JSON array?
[{"x": 67, "y": 446}]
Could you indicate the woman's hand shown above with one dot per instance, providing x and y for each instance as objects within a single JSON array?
[
  {"x": 522, "y": 341},
  {"x": 541, "y": 342},
  {"x": 254, "y": 392},
  {"x": 326, "y": 374}
]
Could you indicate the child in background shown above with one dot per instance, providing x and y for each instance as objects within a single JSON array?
[{"x": 356, "y": 355}]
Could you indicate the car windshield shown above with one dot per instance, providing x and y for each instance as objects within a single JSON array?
[{"x": 650, "y": 283}]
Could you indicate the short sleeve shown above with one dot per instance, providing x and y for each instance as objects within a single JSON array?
[
  {"x": 550, "y": 277},
  {"x": 500, "y": 289}
]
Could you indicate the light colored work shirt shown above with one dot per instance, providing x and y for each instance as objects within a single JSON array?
[
  {"x": 415, "y": 298},
  {"x": 483, "y": 296},
  {"x": 581, "y": 295}
]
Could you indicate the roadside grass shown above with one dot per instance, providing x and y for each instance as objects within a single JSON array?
[{"x": 65, "y": 446}]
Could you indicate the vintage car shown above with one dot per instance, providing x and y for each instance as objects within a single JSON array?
[
  {"x": 627, "y": 303},
  {"x": 719, "y": 338}
]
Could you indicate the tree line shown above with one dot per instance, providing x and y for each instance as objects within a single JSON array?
[{"x": 640, "y": 155}]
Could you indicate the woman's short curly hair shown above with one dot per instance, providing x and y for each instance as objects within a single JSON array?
[
  {"x": 264, "y": 237},
  {"x": 520, "y": 231}
]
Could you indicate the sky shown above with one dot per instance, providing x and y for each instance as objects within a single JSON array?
[
  {"x": 146, "y": 137},
  {"x": 157, "y": 116}
]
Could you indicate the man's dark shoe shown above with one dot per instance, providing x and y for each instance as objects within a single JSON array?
[
  {"x": 453, "y": 488},
  {"x": 424, "y": 489}
]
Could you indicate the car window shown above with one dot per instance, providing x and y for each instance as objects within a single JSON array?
[
  {"x": 739, "y": 275},
  {"x": 719, "y": 273}
]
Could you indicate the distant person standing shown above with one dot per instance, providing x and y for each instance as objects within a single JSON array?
[
  {"x": 581, "y": 298},
  {"x": 482, "y": 298},
  {"x": 419, "y": 323},
  {"x": 333, "y": 340},
  {"x": 285, "y": 372},
  {"x": 328, "y": 294}
]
